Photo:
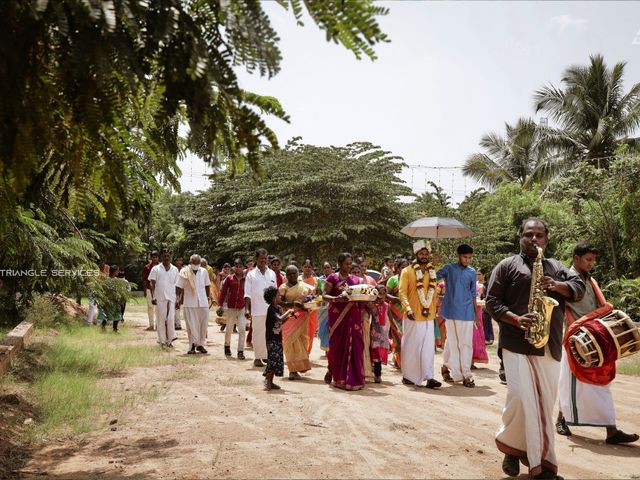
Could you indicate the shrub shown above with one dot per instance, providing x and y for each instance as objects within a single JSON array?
[
  {"x": 624, "y": 294},
  {"x": 43, "y": 312}
]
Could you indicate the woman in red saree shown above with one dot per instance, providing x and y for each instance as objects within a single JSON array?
[{"x": 346, "y": 341}]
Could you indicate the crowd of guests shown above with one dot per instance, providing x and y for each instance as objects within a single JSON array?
[
  {"x": 420, "y": 307},
  {"x": 376, "y": 329}
]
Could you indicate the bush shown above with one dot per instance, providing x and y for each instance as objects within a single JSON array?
[
  {"x": 43, "y": 312},
  {"x": 624, "y": 294}
]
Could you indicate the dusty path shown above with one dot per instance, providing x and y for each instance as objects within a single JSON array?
[{"x": 212, "y": 419}]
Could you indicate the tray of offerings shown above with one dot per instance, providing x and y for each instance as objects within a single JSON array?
[{"x": 361, "y": 293}]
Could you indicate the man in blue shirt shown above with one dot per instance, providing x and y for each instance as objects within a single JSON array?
[{"x": 459, "y": 312}]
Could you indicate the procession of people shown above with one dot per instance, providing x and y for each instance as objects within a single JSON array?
[{"x": 402, "y": 318}]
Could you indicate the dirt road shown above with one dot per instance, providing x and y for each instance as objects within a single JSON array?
[{"x": 212, "y": 419}]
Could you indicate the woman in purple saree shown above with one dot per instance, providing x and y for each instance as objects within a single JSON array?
[{"x": 346, "y": 341}]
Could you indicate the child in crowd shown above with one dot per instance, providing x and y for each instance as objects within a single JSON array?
[
  {"x": 379, "y": 333},
  {"x": 275, "y": 319}
]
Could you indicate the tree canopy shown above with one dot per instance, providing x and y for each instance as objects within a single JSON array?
[{"x": 316, "y": 202}]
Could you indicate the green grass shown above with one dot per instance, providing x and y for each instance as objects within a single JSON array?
[
  {"x": 66, "y": 383},
  {"x": 237, "y": 382},
  {"x": 629, "y": 366}
]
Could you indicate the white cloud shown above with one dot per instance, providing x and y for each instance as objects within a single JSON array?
[{"x": 562, "y": 23}]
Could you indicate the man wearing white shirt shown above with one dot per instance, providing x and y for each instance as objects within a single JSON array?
[
  {"x": 163, "y": 278},
  {"x": 193, "y": 295},
  {"x": 256, "y": 282}
]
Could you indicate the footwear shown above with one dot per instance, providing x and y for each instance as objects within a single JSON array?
[
  {"x": 328, "y": 377},
  {"x": 235, "y": 329},
  {"x": 275, "y": 386},
  {"x": 227, "y": 351},
  {"x": 548, "y": 475},
  {"x": 433, "y": 383},
  {"x": 201, "y": 349},
  {"x": 150, "y": 329},
  {"x": 469, "y": 383},
  {"x": 511, "y": 465},
  {"x": 621, "y": 437},
  {"x": 178, "y": 328},
  {"x": 169, "y": 345},
  {"x": 502, "y": 377},
  {"x": 193, "y": 349},
  {"x": 377, "y": 379},
  {"x": 473, "y": 367},
  {"x": 294, "y": 376},
  {"x": 240, "y": 355},
  {"x": 258, "y": 363},
  {"x": 407, "y": 382},
  {"x": 222, "y": 327},
  {"x": 446, "y": 376},
  {"x": 562, "y": 428}
]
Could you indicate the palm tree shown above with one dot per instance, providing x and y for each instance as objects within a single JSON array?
[
  {"x": 522, "y": 156},
  {"x": 593, "y": 113}
]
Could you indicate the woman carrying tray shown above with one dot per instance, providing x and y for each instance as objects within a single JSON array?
[
  {"x": 346, "y": 342},
  {"x": 295, "y": 340}
]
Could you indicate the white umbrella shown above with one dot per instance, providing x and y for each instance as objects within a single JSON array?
[{"x": 437, "y": 227}]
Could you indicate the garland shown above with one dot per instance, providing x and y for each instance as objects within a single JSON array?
[{"x": 425, "y": 301}]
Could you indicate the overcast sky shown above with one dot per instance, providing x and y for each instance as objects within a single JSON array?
[{"x": 452, "y": 72}]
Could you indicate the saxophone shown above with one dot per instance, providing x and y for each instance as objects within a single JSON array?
[{"x": 540, "y": 306}]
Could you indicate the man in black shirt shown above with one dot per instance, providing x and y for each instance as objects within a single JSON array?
[{"x": 527, "y": 432}]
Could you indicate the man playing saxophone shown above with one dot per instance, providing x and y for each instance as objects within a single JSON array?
[{"x": 532, "y": 368}]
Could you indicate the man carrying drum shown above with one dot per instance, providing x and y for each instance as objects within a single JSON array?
[{"x": 586, "y": 404}]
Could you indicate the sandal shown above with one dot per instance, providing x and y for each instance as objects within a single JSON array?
[
  {"x": 469, "y": 383},
  {"x": 562, "y": 428},
  {"x": 446, "y": 376},
  {"x": 621, "y": 437}
]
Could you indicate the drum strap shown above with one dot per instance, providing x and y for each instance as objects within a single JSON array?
[{"x": 600, "y": 300}]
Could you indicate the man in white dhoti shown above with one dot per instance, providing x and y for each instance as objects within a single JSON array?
[
  {"x": 257, "y": 280},
  {"x": 146, "y": 288},
  {"x": 527, "y": 431},
  {"x": 417, "y": 292},
  {"x": 581, "y": 403},
  {"x": 460, "y": 313},
  {"x": 179, "y": 263},
  {"x": 163, "y": 278},
  {"x": 194, "y": 295}
]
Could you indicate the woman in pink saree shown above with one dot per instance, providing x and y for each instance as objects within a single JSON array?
[{"x": 346, "y": 340}]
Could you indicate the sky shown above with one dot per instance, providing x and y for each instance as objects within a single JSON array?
[{"x": 452, "y": 72}]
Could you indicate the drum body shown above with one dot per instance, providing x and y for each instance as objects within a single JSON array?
[{"x": 587, "y": 344}]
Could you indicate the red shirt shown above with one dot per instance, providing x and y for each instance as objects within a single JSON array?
[
  {"x": 145, "y": 276},
  {"x": 232, "y": 291},
  {"x": 279, "y": 278}
]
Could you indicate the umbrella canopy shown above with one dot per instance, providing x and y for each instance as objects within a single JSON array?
[{"x": 437, "y": 227}]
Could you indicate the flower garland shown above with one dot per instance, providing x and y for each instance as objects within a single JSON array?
[{"x": 425, "y": 301}]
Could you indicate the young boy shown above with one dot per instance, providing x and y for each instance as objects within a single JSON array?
[
  {"x": 460, "y": 312},
  {"x": 273, "y": 336}
]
